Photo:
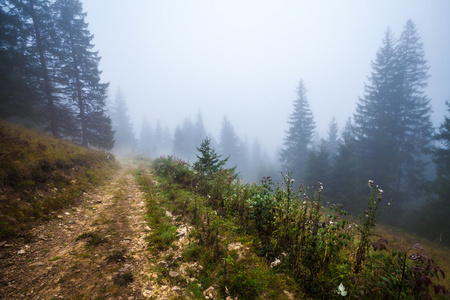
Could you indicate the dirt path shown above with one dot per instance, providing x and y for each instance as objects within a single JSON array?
[{"x": 96, "y": 250}]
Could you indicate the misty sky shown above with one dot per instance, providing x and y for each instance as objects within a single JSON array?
[{"x": 244, "y": 59}]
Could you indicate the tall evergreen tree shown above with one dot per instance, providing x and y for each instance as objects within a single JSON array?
[
  {"x": 414, "y": 139},
  {"x": 147, "y": 139},
  {"x": 377, "y": 116},
  {"x": 318, "y": 165},
  {"x": 229, "y": 143},
  {"x": 346, "y": 180},
  {"x": 299, "y": 136},
  {"x": 18, "y": 95},
  {"x": 332, "y": 139},
  {"x": 432, "y": 220},
  {"x": 39, "y": 30},
  {"x": 200, "y": 131},
  {"x": 124, "y": 135},
  {"x": 393, "y": 118},
  {"x": 81, "y": 74}
]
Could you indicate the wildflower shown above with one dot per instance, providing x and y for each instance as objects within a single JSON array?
[
  {"x": 292, "y": 181},
  {"x": 275, "y": 263},
  {"x": 342, "y": 290},
  {"x": 380, "y": 191},
  {"x": 370, "y": 183},
  {"x": 389, "y": 203}
]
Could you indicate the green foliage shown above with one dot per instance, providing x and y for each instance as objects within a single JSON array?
[
  {"x": 368, "y": 222},
  {"x": 208, "y": 162},
  {"x": 299, "y": 136},
  {"x": 261, "y": 241}
]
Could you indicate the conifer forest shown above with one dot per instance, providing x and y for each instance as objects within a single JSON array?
[{"x": 210, "y": 96}]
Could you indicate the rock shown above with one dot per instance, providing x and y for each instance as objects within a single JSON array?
[
  {"x": 20, "y": 252},
  {"x": 176, "y": 288},
  {"x": 210, "y": 292},
  {"x": 173, "y": 274},
  {"x": 125, "y": 268},
  {"x": 147, "y": 293}
]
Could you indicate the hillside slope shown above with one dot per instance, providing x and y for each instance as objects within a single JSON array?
[{"x": 40, "y": 175}]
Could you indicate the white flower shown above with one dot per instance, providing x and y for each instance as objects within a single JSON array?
[
  {"x": 380, "y": 191},
  {"x": 292, "y": 181},
  {"x": 275, "y": 263},
  {"x": 342, "y": 290}
]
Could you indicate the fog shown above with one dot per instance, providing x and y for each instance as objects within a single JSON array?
[{"x": 244, "y": 59}]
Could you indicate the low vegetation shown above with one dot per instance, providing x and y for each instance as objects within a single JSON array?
[
  {"x": 39, "y": 175},
  {"x": 267, "y": 241}
]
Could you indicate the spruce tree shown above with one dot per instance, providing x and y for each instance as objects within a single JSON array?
[
  {"x": 432, "y": 220},
  {"x": 18, "y": 95},
  {"x": 392, "y": 120},
  {"x": 332, "y": 138},
  {"x": 147, "y": 139},
  {"x": 81, "y": 74},
  {"x": 318, "y": 165},
  {"x": 39, "y": 30},
  {"x": 414, "y": 139},
  {"x": 299, "y": 136},
  {"x": 125, "y": 141},
  {"x": 208, "y": 162},
  {"x": 346, "y": 180},
  {"x": 377, "y": 117},
  {"x": 229, "y": 143}
]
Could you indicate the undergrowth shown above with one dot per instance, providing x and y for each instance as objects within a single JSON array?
[
  {"x": 275, "y": 241},
  {"x": 40, "y": 175}
]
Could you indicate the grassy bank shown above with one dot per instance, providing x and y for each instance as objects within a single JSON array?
[
  {"x": 272, "y": 241},
  {"x": 39, "y": 175}
]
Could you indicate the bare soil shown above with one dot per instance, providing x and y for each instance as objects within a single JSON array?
[{"x": 94, "y": 250}]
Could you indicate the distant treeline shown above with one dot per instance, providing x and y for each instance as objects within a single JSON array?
[
  {"x": 389, "y": 139},
  {"x": 49, "y": 74}
]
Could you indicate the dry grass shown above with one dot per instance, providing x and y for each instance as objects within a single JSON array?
[
  {"x": 402, "y": 241},
  {"x": 40, "y": 174}
]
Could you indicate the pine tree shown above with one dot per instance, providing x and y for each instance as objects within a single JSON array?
[
  {"x": 39, "y": 32},
  {"x": 81, "y": 74},
  {"x": 147, "y": 139},
  {"x": 318, "y": 165},
  {"x": 432, "y": 220},
  {"x": 393, "y": 118},
  {"x": 125, "y": 140},
  {"x": 414, "y": 139},
  {"x": 18, "y": 96},
  {"x": 299, "y": 137},
  {"x": 208, "y": 162},
  {"x": 200, "y": 131},
  {"x": 229, "y": 143},
  {"x": 377, "y": 116},
  {"x": 346, "y": 180},
  {"x": 332, "y": 138}
]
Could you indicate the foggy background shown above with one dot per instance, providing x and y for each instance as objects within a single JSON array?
[{"x": 244, "y": 59}]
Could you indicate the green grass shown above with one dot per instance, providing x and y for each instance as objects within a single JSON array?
[
  {"x": 40, "y": 175},
  {"x": 314, "y": 263}
]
